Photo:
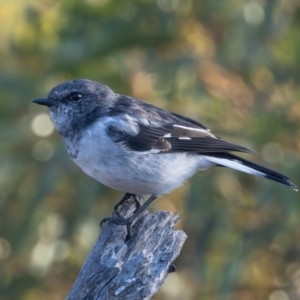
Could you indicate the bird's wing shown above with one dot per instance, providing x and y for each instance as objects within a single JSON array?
[
  {"x": 173, "y": 133},
  {"x": 189, "y": 121}
]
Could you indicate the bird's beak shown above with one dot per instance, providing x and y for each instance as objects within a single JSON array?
[{"x": 43, "y": 101}]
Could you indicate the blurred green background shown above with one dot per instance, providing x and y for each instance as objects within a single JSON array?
[{"x": 233, "y": 65}]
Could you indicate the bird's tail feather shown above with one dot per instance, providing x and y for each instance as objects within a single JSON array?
[{"x": 238, "y": 163}]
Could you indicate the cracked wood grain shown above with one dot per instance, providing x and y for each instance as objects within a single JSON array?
[{"x": 133, "y": 269}]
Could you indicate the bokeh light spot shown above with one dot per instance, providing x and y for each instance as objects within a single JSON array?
[
  {"x": 42, "y": 256},
  {"x": 49, "y": 247},
  {"x": 254, "y": 13},
  {"x": 42, "y": 150},
  {"x": 86, "y": 234},
  {"x": 52, "y": 227},
  {"x": 61, "y": 250},
  {"x": 41, "y": 125},
  {"x": 279, "y": 295}
]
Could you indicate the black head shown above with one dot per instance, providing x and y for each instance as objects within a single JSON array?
[{"x": 76, "y": 104}]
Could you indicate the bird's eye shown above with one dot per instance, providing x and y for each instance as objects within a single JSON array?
[{"x": 75, "y": 96}]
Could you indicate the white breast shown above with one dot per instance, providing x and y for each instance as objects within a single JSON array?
[{"x": 131, "y": 171}]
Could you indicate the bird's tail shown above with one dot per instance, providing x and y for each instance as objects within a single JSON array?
[{"x": 238, "y": 163}]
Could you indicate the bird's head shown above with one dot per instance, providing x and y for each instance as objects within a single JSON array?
[{"x": 75, "y": 104}]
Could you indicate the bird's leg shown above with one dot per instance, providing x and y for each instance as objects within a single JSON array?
[
  {"x": 126, "y": 197},
  {"x": 137, "y": 199},
  {"x": 119, "y": 220}
]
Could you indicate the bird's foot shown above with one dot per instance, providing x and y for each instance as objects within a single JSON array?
[
  {"x": 119, "y": 220},
  {"x": 126, "y": 197},
  {"x": 138, "y": 201},
  {"x": 104, "y": 220}
]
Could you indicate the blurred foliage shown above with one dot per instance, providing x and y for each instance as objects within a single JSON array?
[{"x": 232, "y": 64}]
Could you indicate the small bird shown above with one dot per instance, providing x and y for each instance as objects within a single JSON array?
[{"x": 135, "y": 147}]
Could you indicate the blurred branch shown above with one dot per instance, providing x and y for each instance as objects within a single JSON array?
[{"x": 133, "y": 269}]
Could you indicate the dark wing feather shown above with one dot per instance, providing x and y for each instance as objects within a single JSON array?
[
  {"x": 147, "y": 139},
  {"x": 176, "y": 133},
  {"x": 190, "y": 121},
  {"x": 204, "y": 145},
  {"x": 265, "y": 172},
  {"x": 167, "y": 138}
]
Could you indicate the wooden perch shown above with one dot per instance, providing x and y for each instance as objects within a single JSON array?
[{"x": 133, "y": 269}]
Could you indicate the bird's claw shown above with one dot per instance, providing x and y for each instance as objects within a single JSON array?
[
  {"x": 127, "y": 197},
  {"x": 116, "y": 218},
  {"x": 104, "y": 220},
  {"x": 119, "y": 220}
]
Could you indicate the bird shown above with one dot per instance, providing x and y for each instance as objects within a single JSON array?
[{"x": 135, "y": 147}]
